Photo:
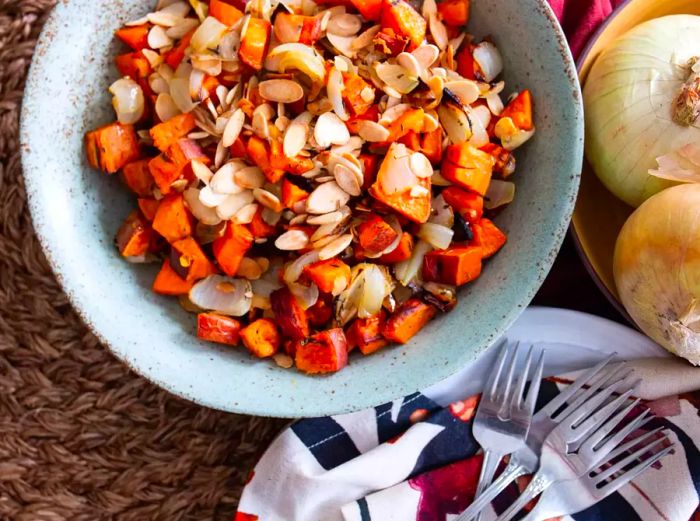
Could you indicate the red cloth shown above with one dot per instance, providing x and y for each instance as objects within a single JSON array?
[{"x": 581, "y": 18}]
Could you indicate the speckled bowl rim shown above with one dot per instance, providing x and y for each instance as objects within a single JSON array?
[{"x": 526, "y": 294}]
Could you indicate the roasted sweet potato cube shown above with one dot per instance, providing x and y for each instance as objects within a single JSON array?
[
  {"x": 408, "y": 318},
  {"x": 111, "y": 147},
  {"x": 409, "y": 121},
  {"x": 175, "y": 55},
  {"x": 185, "y": 150},
  {"x": 258, "y": 151},
  {"x": 455, "y": 266},
  {"x": 173, "y": 220},
  {"x": 400, "y": 16},
  {"x": 469, "y": 205},
  {"x": 520, "y": 111},
  {"x": 230, "y": 249},
  {"x": 488, "y": 237},
  {"x": 366, "y": 334},
  {"x": 137, "y": 177},
  {"x": 375, "y": 235},
  {"x": 401, "y": 253},
  {"x": 371, "y": 10},
  {"x": 292, "y": 194},
  {"x": 324, "y": 352},
  {"x": 134, "y": 235},
  {"x": 468, "y": 167},
  {"x": 331, "y": 275},
  {"x": 261, "y": 338},
  {"x": 224, "y": 12},
  {"x": 168, "y": 282},
  {"x": 148, "y": 208},
  {"x": 466, "y": 66},
  {"x": 290, "y": 28},
  {"x": 163, "y": 172},
  {"x": 504, "y": 160},
  {"x": 135, "y": 36},
  {"x": 353, "y": 94},
  {"x": 189, "y": 261},
  {"x": 454, "y": 12},
  {"x": 289, "y": 315},
  {"x": 321, "y": 312},
  {"x": 167, "y": 133},
  {"x": 370, "y": 164},
  {"x": 221, "y": 329},
  {"x": 133, "y": 64},
  {"x": 255, "y": 43},
  {"x": 259, "y": 228}
]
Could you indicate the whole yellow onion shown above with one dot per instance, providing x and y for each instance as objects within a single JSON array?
[
  {"x": 642, "y": 102},
  {"x": 657, "y": 269}
]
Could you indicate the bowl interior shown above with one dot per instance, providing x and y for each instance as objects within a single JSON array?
[
  {"x": 76, "y": 212},
  {"x": 599, "y": 215}
]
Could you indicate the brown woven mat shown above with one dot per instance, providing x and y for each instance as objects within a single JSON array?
[{"x": 82, "y": 438}]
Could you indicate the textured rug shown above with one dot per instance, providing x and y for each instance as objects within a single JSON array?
[{"x": 82, "y": 438}]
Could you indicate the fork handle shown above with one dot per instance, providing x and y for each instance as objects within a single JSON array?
[
  {"x": 488, "y": 469},
  {"x": 538, "y": 484},
  {"x": 509, "y": 474}
]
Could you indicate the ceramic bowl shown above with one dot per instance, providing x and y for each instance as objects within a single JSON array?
[
  {"x": 599, "y": 215},
  {"x": 76, "y": 211}
]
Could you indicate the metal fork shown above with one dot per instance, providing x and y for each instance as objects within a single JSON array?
[
  {"x": 589, "y": 429},
  {"x": 526, "y": 459},
  {"x": 503, "y": 418},
  {"x": 575, "y": 495}
]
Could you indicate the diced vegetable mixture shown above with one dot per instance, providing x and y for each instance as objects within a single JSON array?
[{"x": 312, "y": 177}]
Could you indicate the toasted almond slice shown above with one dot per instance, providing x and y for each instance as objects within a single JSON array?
[
  {"x": 165, "y": 107},
  {"x": 154, "y": 58},
  {"x": 347, "y": 180},
  {"x": 326, "y": 198},
  {"x": 457, "y": 41},
  {"x": 245, "y": 214},
  {"x": 197, "y": 135},
  {"x": 426, "y": 55},
  {"x": 224, "y": 180},
  {"x": 139, "y": 21},
  {"x": 324, "y": 231},
  {"x": 467, "y": 91},
  {"x": 233, "y": 203},
  {"x": 495, "y": 103},
  {"x": 157, "y": 38},
  {"x": 164, "y": 19},
  {"x": 343, "y": 44},
  {"x": 336, "y": 247},
  {"x": 292, "y": 240},
  {"x": 249, "y": 269},
  {"x": 282, "y": 123},
  {"x": 271, "y": 217},
  {"x": 233, "y": 128},
  {"x": 353, "y": 147},
  {"x": 429, "y": 8},
  {"x": 330, "y": 130},
  {"x": 420, "y": 165},
  {"x": 365, "y": 38},
  {"x": 280, "y": 90},
  {"x": 409, "y": 62},
  {"x": 210, "y": 198},
  {"x": 221, "y": 154},
  {"x": 283, "y": 360},
  {"x": 181, "y": 28},
  {"x": 202, "y": 172},
  {"x": 390, "y": 114},
  {"x": 267, "y": 199},
  {"x": 159, "y": 85},
  {"x": 367, "y": 94},
  {"x": 334, "y": 89},
  {"x": 250, "y": 177},
  {"x": 438, "y": 31},
  {"x": 430, "y": 121},
  {"x": 344, "y": 24},
  {"x": 202, "y": 213},
  {"x": 297, "y": 134},
  {"x": 372, "y": 131},
  {"x": 323, "y": 241},
  {"x": 328, "y": 218},
  {"x": 299, "y": 219}
]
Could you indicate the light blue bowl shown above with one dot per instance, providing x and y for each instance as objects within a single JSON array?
[{"x": 77, "y": 211}]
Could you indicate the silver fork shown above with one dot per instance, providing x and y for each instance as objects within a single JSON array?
[
  {"x": 589, "y": 429},
  {"x": 526, "y": 459},
  {"x": 575, "y": 495},
  {"x": 503, "y": 418}
]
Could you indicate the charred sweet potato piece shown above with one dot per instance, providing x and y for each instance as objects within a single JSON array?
[
  {"x": 375, "y": 235},
  {"x": 454, "y": 12},
  {"x": 324, "y": 352},
  {"x": 400, "y": 16},
  {"x": 401, "y": 253},
  {"x": 321, "y": 312},
  {"x": 261, "y": 338},
  {"x": 167, "y": 133},
  {"x": 391, "y": 43},
  {"x": 255, "y": 43},
  {"x": 238, "y": 149},
  {"x": 135, "y": 36},
  {"x": 148, "y": 208},
  {"x": 455, "y": 266},
  {"x": 185, "y": 150},
  {"x": 409, "y": 318},
  {"x": 224, "y": 12},
  {"x": 134, "y": 235},
  {"x": 258, "y": 150},
  {"x": 331, "y": 275},
  {"x": 371, "y": 10},
  {"x": 168, "y": 282},
  {"x": 504, "y": 160},
  {"x": 469, "y": 205},
  {"x": 292, "y": 194},
  {"x": 366, "y": 334},
  {"x": 133, "y": 64},
  {"x": 468, "y": 167},
  {"x": 259, "y": 228},
  {"x": 189, "y": 261},
  {"x": 488, "y": 237},
  {"x": 427, "y": 143},
  {"x": 520, "y": 111},
  {"x": 175, "y": 55},
  {"x": 138, "y": 178},
  {"x": 353, "y": 124},
  {"x": 289, "y": 314},
  {"x": 164, "y": 172},
  {"x": 466, "y": 66},
  {"x": 221, "y": 329},
  {"x": 353, "y": 94},
  {"x": 111, "y": 147},
  {"x": 173, "y": 220},
  {"x": 230, "y": 249},
  {"x": 409, "y": 121}
]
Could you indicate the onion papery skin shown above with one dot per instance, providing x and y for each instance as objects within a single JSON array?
[
  {"x": 657, "y": 269},
  {"x": 629, "y": 97}
]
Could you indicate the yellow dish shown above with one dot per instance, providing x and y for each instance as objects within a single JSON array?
[{"x": 599, "y": 215}]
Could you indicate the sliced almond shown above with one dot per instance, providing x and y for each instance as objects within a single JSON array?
[
  {"x": 344, "y": 24},
  {"x": 280, "y": 90},
  {"x": 396, "y": 77},
  {"x": 409, "y": 62},
  {"x": 429, "y": 8},
  {"x": 250, "y": 177},
  {"x": 157, "y": 38},
  {"x": 330, "y": 130},
  {"x": 467, "y": 91},
  {"x": 261, "y": 125},
  {"x": 221, "y": 154},
  {"x": 233, "y": 128},
  {"x": 324, "y": 231},
  {"x": 392, "y": 113},
  {"x": 292, "y": 240},
  {"x": 343, "y": 44},
  {"x": 336, "y": 247},
  {"x": 426, "y": 55},
  {"x": 353, "y": 147},
  {"x": 233, "y": 203},
  {"x": 283, "y": 360},
  {"x": 347, "y": 180},
  {"x": 323, "y": 241},
  {"x": 271, "y": 217},
  {"x": 366, "y": 38},
  {"x": 328, "y": 218},
  {"x": 438, "y": 31},
  {"x": 420, "y": 165},
  {"x": 372, "y": 131},
  {"x": 299, "y": 219},
  {"x": 165, "y": 107},
  {"x": 210, "y": 198},
  {"x": 154, "y": 58},
  {"x": 245, "y": 214},
  {"x": 202, "y": 213},
  {"x": 181, "y": 28},
  {"x": 430, "y": 121},
  {"x": 297, "y": 134},
  {"x": 249, "y": 269},
  {"x": 267, "y": 199},
  {"x": 163, "y": 19},
  {"x": 224, "y": 180},
  {"x": 326, "y": 198},
  {"x": 202, "y": 172}
]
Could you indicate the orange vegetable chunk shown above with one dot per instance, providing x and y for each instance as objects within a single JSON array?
[
  {"x": 189, "y": 261},
  {"x": 371, "y": 10},
  {"x": 168, "y": 282},
  {"x": 135, "y": 37},
  {"x": 292, "y": 194},
  {"x": 173, "y": 220},
  {"x": 375, "y": 235},
  {"x": 255, "y": 43},
  {"x": 261, "y": 338},
  {"x": 488, "y": 237},
  {"x": 455, "y": 266},
  {"x": 329, "y": 275},
  {"x": 230, "y": 249},
  {"x": 175, "y": 55},
  {"x": 224, "y": 12},
  {"x": 148, "y": 208},
  {"x": 111, "y": 147},
  {"x": 366, "y": 333},
  {"x": 469, "y": 205},
  {"x": 133, "y": 64},
  {"x": 138, "y": 178},
  {"x": 400, "y": 16},
  {"x": 289, "y": 314},
  {"x": 258, "y": 151},
  {"x": 454, "y": 12},
  {"x": 134, "y": 235},
  {"x": 401, "y": 253},
  {"x": 163, "y": 172},
  {"x": 468, "y": 167},
  {"x": 409, "y": 318},
  {"x": 520, "y": 111},
  {"x": 324, "y": 352},
  {"x": 221, "y": 329},
  {"x": 167, "y": 133}
]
